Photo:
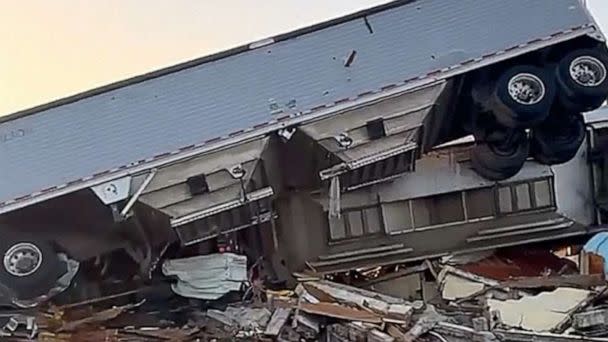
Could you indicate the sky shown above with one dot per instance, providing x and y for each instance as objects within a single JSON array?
[{"x": 52, "y": 49}]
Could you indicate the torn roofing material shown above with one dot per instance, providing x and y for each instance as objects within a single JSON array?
[
  {"x": 399, "y": 120},
  {"x": 208, "y": 276},
  {"x": 517, "y": 263},
  {"x": 166, "y": 115}
]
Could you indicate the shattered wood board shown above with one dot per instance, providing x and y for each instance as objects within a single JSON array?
[
  {"x": 277, "y": 321},
  {"x": 340, "y": 312},
  {"x": 379, "y": 336},
  {"x": 242, "y": 317},
  {"x": 539, "y": 313},
  {"x": 360, "y": 297}
]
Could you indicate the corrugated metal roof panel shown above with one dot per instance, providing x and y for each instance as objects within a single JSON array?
[{"x": 191, "y": 106}]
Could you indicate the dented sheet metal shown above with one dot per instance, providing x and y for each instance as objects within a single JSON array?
[
  {"x": 397, "y": 122},
  {"x": 209, "y": 185},
  {"x": 207, "y": 277},
  {"x": 230, "y": 200},
  {"x": 169, "y": 190},
  {"x": 213, "y": 97}
]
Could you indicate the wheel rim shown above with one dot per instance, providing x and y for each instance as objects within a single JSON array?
[
  {"x": 526, "y": 89},
  {"x": 588, "y": 71},
  {"x": 22, "y": 259}
]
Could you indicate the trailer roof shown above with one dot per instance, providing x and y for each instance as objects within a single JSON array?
[
  {"x": 251, "y": 88},
  {"x": 202, "y": 60}
]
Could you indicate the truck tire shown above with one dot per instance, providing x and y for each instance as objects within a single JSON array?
[
  {"x": 582, "y": 79},
  {"x": 30, "y": 267},
  {"x": 522, "y": 96},
  {"x": 499, "y": 161},
  {"x": 559, "y": 142}
]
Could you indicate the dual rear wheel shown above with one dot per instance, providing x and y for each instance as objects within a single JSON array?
[{"x": 547, "y": 102}]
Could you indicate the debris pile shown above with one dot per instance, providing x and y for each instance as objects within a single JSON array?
[{"x": 506, "y": 295}]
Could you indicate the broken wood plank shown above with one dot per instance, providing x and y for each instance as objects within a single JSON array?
[
  {"x": 394, "y": 275},
  {"x": 306, "y": 276},
  {"x": 317, "y": 294},
  {"x": 464, "y": 333},
  {"x": 340, "y": 312},
  {"x": 309, "y": 321},
  {"x": 102, "y": 299},
  {"x": 379, "y": 336},
  {"x": 396, "y": 332},
  {"x": 277, "y": 321},
  {"x": 589, "y": 319},
  {"x": 221, "y": 317},
  {"x": 424, "y": 324},
  {"x": 400, "y": 312},
  {"x": 171, "y": 334},
  {"x": 446, "y": 270},
  {"x": 579, "y": 281},
  {"x": 355, "y": 296},
  {"x": 99, "y": 317}
]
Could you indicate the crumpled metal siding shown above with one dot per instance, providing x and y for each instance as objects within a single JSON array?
[{"x": 160, "y": 115}]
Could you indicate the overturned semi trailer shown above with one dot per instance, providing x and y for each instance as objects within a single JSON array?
[
  {"x": 444, "y": 207},
  {"x": 259, "y": 135}
]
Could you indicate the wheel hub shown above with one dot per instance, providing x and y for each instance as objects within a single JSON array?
[
  {"x": 22, "y": 259},
  {"x": 526, "y": 89},
  {"x": 588, "y": 71}
]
